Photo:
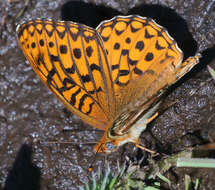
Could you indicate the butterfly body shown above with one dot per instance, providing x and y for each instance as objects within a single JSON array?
[{"x": 112, "y": 77}]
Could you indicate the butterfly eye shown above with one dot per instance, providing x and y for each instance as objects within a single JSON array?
[{"x": 110, "y": 147}]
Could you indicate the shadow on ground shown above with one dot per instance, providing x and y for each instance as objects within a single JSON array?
[{"x": 24, "y": 175}]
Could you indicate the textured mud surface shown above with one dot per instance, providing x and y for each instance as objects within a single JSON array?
[{"x": 29, "y": 113}]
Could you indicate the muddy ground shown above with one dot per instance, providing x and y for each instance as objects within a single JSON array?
[{"x": 30, "y": 113}]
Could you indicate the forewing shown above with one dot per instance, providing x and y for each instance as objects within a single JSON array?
[{"x": 70, "y": 59}]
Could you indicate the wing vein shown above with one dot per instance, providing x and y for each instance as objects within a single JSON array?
[
  {"x": 89, "y": 70},
  {"x": 40, "y": 54},
  {"x": 107, "y": 93}
]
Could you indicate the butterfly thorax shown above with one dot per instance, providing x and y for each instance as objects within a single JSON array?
[
  {"x": 121, "y": 125},
  {"x": 127, "y": 127}
]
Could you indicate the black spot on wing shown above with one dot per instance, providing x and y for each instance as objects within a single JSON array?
[
  {"x": 74, "y": 36},
  {"x": 54, "y": 58},
  {"x": 125, "y": 52},
  {"x": 149, "y": 56},
  {"x": 90, "y": 110},
  {"x": 147, "y": 35},
  {"x": 61, "y": 34},
  {"x": 89, "y": 51},
  {"x": 113, "y": 67},
  {"x": 158, "y": 46},
  {"x": 105, "y": 39},
  {"x": 94, "y": 67},
  {"x": 123, "y": 72},
  {"x": 63, "y": 49},
  {"x": 81, "y": 103},
  {"x": 128, "y": 40},
  {"x": 133, "y": 30},
  {"x": 33, "y": 45},
  {"x": 99, "y": 89},
  {"x": 51, "y": 44},
  {"x": 41, "y": 42},
  {"x": 139, "y": 45},
  {"x": 68, "y": 81},
  {"x": 131, "y": 62},
  {"x": 116, "y": 46},
  {"x": 85, "y": 78},
  {"x": 73, "y": 97},
  {"x": 95, "y": 91},
  {"x": 48, "y": 30},
  {"x": 50, "y": 75},
  {"x": 137, "y": 71},
  {"x": 119, "y": 32},
  {"x": 77, "y": 53},
  {"x": 67, "y": 84},
  {"x": 70, "y": 70},
  {"x": 121, "y": 84}
]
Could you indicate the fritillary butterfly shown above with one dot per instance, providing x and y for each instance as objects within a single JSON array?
[{"x": 112, "y": 77}]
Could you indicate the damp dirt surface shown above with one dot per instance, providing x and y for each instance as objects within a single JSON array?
[{"x": 29, "y": 113}]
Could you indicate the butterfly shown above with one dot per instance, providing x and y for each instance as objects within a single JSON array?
[{"x": 112, "y": 77}]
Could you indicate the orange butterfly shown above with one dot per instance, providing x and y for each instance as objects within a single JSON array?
[{"x": 112, "y": 77}]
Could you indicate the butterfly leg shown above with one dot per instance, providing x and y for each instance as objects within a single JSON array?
[
  {"x": 141, "y": 146},
  {"x": 152, "y": 117}
]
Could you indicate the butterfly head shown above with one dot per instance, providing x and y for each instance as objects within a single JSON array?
[
  {"x": 105, "y": 146},
  {"x": 113, "y": 138}
]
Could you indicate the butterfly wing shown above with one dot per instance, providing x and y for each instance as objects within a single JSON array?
[
  {"x": 144, "y": 60},
  {"x": 139, "y": 53},
  {"x": 109, "y": 76},
  {"x": 70, "y": 59}
]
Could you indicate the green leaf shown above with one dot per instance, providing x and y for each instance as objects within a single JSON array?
[{"x": 196, "y": 162}]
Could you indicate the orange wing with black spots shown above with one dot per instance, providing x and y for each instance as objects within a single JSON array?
[
  {"x": 138, "y": 51},
  {"x": 111, "y": 77},
  {"x": 70, "y": 59}
]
